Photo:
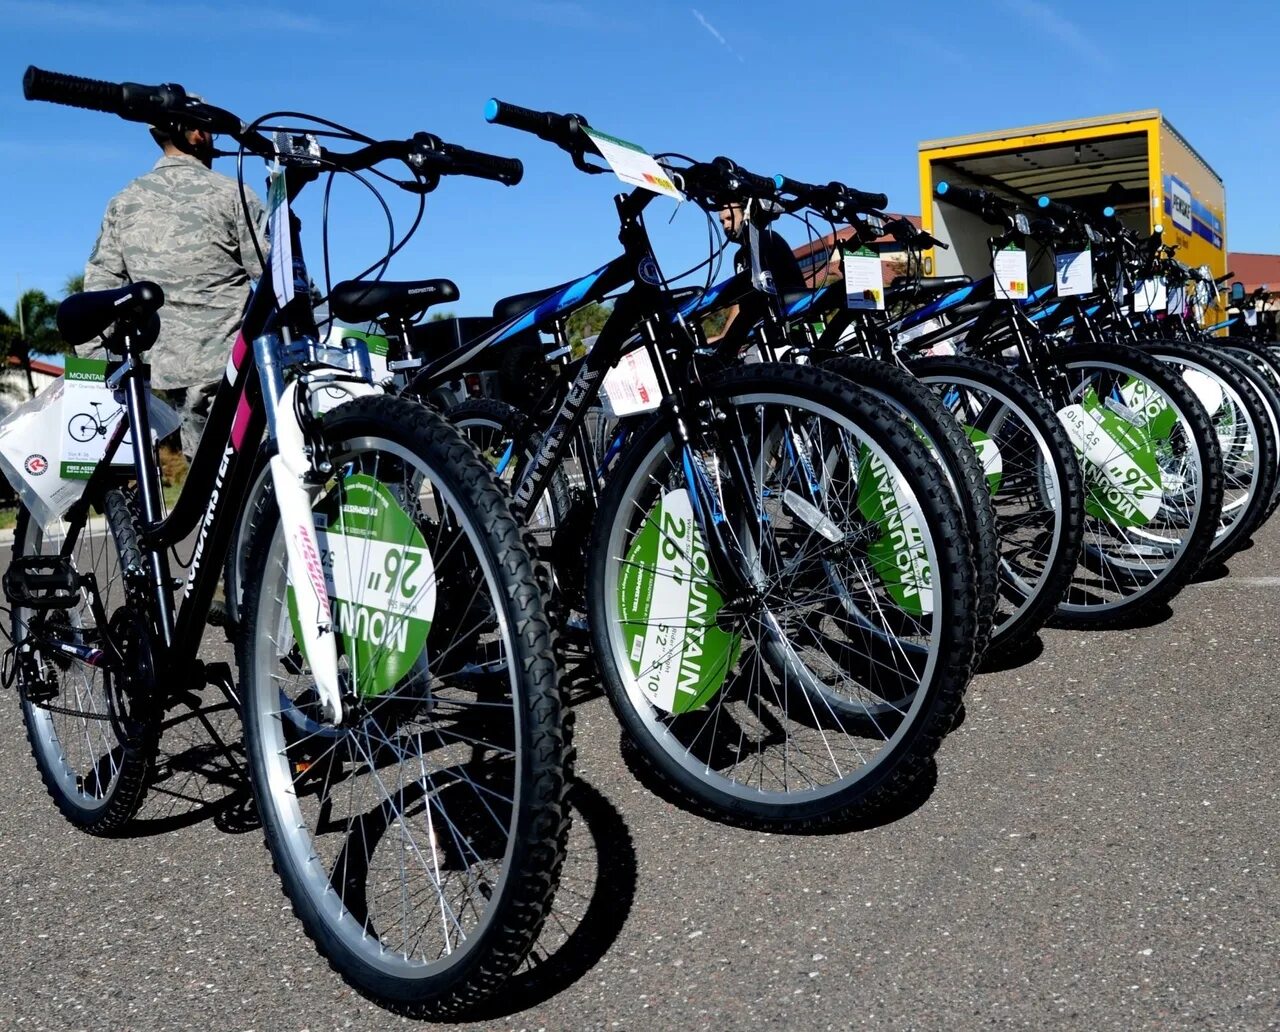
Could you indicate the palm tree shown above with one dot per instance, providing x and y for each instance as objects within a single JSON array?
[{"x": 32, "y": 327}]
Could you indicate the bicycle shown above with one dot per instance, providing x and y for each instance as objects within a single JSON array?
[
  {"x": 402, "y": 715},
  {"x": 896, "y": 649},
  {"x": 1152, "y": 464},
  {"x": 85, "y": 426},
  {"x": 1240, "y": 402}
]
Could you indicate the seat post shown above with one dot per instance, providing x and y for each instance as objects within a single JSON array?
[
  {"x": 147, "y": 471},
  {"x": 401, "y": 325}
]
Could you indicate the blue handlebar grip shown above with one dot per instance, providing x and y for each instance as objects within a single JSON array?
[
  {"x": 777, "y": 180},
  {"x": 943, "y": 187},
  {"x": 1043, "y": 202},
  {"x": 490, "y": 109}
]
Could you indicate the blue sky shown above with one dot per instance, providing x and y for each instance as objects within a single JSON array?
[{"x": 845, "y": 91}]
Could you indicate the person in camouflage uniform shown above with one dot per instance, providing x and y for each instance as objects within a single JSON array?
[{"x": 183, "y": 227}]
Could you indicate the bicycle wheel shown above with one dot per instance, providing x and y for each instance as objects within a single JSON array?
[
  {"x": 956, "y": 456},
  {"x": 1153, "y": 482},
  {"x": 94, "y": 734},
  {"x": 818, "y": 691},
  {"x": 1035, "y": 485},
  {"x": 82, "y": 427},
  {"x": 498, "y": 430},
  {"x": 421, "y": 840},
  {"x": 1245, "y": 433},
  {"x": 1265, "y": 369}
]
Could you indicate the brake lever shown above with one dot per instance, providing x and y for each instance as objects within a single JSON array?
[{"x": 425, "y": 185}]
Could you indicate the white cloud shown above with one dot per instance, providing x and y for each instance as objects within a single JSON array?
[{"x": 1065, "y": 31}]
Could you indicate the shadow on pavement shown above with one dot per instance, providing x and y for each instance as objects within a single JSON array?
[
  {"x": 592, "y": 904},
  {"x": 1148, "y": 617},
  {"x": 1211, "y": 571},
  {"x": 1000, "y": 660},
  {"x": 199, "y": 774}
]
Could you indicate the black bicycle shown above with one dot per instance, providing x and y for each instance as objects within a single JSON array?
[
  {"x": 85, "y": 426},
  {"x": 401, "y": 709},
  {"x": 779, "y": 594}
]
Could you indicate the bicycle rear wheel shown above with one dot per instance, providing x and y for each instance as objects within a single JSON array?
[
  {"x": 956, "y": 456},
  {"x": 94, "y": 734},
  {"x": 420, "y": 841},
  {"x": 818, "y": 692},
  {"x": 1034, "y": 481}
]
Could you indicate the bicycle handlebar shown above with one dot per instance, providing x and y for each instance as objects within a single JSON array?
[
  {"x": 986, "y": 205},
  {"x": 565, "y": 131},
  {"x": 135, "y": 102},
  {"x": 452, "y": 159},
  {"x": 834, "y": 194},
  {"x": 738, "y": 178}
]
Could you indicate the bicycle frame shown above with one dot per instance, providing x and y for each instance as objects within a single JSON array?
[
  {"x": 647, "y": 309},
  {"x": 216, "y": 487}
]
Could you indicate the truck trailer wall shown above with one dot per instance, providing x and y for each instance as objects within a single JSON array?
[{"x": 1192, "y": 205}]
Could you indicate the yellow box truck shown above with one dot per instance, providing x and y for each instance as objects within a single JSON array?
[{"x": 1136, "y": 162}]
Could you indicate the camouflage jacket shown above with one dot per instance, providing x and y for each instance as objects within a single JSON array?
[{"x": 182, "y": 226}]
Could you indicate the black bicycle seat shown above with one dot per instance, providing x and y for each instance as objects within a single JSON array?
[
  {"x": 358, "y": 301},
  {"x": 81, "y": 317},
  {"x": 509, "y": 307}
]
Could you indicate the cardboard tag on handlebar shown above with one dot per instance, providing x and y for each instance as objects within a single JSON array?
[
  {"x": 863, "y": 280},
  {"x": 1010, "y": 268},
  {"x": 1073, "y": 272},
  {"x": 278, "y": 230},
  {"x": 1150, "y": 296},
  {"x": 633, "y": 164}
]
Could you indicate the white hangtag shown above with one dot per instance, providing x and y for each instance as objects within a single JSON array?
[
  {"x": 1010, "y": 268},
  {"x": 1073, "y": 272},
  {"x": 1150, "y": 296},
  {"x": 864, "y": 279},
  {"x": 281, "y": 239},
  {"x": 633, "y": 165}
]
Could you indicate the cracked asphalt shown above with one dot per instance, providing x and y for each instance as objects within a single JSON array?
[{"x": 1098, "y": 851}]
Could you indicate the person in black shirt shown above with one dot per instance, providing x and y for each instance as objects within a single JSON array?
[{"x": 776, "y": 258}]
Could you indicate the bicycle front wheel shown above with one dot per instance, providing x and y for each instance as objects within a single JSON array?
[
  {"x": 421, "y": 840},
  {"x": 1152, "y": 467},
  {"x": 819, "y": 690}
]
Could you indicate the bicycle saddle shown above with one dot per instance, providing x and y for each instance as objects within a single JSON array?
[
  {"x": 509, "y": 307},
  {"x": 358, "y": 301},
  {"x": 921, "y": 287},
  {"x": 81, "y": 317}
]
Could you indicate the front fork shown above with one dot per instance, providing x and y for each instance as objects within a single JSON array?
[{"x": 298, "y": 469}]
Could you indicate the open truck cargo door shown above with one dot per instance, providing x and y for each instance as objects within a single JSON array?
[{"x": 1135, "y": 162}]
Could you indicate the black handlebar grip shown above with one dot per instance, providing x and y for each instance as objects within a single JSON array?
[
  {"x": 546, "y": 125},
  {"x": 757, "y": 186},
  {"x": 1057, "y": 211},
  {"x": 964, "y": 196},
  {"x": 72, "y": 90},
  {"x": 796, "y": 188},
  {"x": 508, "y": 171},
  {"x": 862, "y": 201}
]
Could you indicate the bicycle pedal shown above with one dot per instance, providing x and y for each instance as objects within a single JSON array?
[{"x": 42, "y": 582}]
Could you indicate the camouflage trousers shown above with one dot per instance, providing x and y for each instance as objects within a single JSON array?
[{"x": 193, "y": 405}]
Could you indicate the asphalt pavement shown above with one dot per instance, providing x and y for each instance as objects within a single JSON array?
[{"x": 1098, "y": 851}]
